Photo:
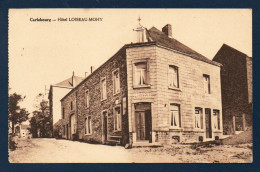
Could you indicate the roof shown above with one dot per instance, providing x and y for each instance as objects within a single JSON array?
[
  {"x": 162, "y": 39},
  {"x": 24, "y": 126},
  {"x": 85, "y": 79},
  {"x": 68, "y": 82},
  {"x": 230, "y": 49}
]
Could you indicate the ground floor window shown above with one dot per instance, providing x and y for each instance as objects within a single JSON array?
[
  {"x": 117, "y": 119},
  {"x": 88, "y": 125},
  {"x": 198, "y": 118},
  {"x": 216, "y": 119},
  {"x": 175, "y": 121}
]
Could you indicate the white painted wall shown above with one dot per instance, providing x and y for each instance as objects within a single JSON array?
[{"x": 58, "y": 94}]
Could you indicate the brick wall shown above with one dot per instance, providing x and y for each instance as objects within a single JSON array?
[{"x": 96, "y": 105}]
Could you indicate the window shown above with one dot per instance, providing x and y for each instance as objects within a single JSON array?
[
  {"x": 88, "y": 125},
  {"x": 117, "y": 119},
  {"x": 87, "y": 98},
  {"x": 206, "y": 84},
  {"x": 73, "y": 124},
  {"x": 71, "y": 105},
  {"x": 116, "y": 82},
  {"x": 173, "y": 77},
  {"x": 141, "y": 74},
  {"x": 216, "y": 119},
  {"x": 63, "y": 113},
  {"x": 175, "y": 116},
  {"x": 103, "y": 89},
  {"x": 198, "y": 118}
]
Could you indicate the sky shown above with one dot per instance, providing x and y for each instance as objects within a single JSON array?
[{"x": 45, "y": 53}]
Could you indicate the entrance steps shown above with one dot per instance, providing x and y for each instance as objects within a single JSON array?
[{"x": 146, "y": 144}]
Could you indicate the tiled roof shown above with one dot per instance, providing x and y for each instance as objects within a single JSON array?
[
  {"x": 68, "y": 82},
  {"x": 162, "y": 39}
]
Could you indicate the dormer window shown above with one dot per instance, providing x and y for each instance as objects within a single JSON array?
[{"x": 140, "y": 33}]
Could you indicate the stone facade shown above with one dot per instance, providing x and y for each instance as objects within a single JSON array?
[
  {"x": 96, "y": 105},
  {"x": 189, "y": 95},
  {"x": 146, "y": 99},
  {"x": 236, "y": 86}
]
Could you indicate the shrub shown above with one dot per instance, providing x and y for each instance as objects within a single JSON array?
[{"x": 11, "y": 143}]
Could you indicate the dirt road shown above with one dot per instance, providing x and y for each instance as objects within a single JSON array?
[{"x": 64, "y": 151}]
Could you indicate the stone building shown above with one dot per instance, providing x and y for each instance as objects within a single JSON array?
[
  {"x": 236, "y": 86},
  {"x": 154, "y": 91},
  {"x": 57, "y": 91}
]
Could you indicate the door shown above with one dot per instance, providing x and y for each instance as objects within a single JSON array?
[
  {"x": 208, "y": 123},
  {"x": 72, "y": 126},
  {"x": 140, "y": 125},
  {"x": 105, "y": 125}
]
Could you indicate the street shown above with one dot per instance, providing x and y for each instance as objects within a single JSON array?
[{"x": 43, "y": 150}]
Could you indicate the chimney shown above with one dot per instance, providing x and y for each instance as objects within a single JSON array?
[
  {"x": 73, "y": 79},
  {"x": 167, "y": 29},
  {"x": 92, "y": 68}
]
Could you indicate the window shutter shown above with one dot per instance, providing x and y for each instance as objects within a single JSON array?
[
  {"x": 201, "y": 119},
  {"x": 148, "y": 71},
  {"x": 134, "y": 79}
]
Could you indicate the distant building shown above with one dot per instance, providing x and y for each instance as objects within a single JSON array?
[
  {"x": 57, "y": 91},
  {"x": 154, "y": 91},
  {"x": 236, "y": 86},
  {"x": 24, "y": 131}
]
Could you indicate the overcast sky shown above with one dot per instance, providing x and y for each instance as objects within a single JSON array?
[{"x": 45, "y": 53}]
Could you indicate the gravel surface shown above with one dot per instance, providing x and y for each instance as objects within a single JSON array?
[{"x": 64, "y": 151}]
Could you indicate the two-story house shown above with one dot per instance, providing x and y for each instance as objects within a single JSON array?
[
  {"x": 56, "y": 92},
  {"x": 155, "y": 90}
]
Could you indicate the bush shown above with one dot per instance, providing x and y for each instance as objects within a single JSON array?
[{"x": 11, "y": 143}]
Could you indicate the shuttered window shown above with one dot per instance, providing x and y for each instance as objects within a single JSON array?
[
  {"x": 103, "y": 89},
  {"x": 88, "y": 125}
]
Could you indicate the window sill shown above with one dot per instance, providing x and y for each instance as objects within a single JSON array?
[
  {"x": 88, "y": 134},
  {"x": 103, "y": 99},
  {"x": 174, "y": 88},
  {"x": 217, "y": 131},
  {"x": 142, "y": 86},
  {"x": 175, "y": 129},
  {"x": 198, "y": 130},
  {"x": 116, "y": 131},
  {"x": 114, "y": 94}
]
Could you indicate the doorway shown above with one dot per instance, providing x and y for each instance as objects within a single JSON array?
[
  {"x": 143, "y": 122},
  {"x": 208, "y": 123},
  {"x": 72, "y": 126},
  {"x": 105, "y": 130}
]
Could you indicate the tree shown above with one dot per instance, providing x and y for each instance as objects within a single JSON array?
[
  {"x": 41, "y": 120},
  {"x": 16, "y": 114}
]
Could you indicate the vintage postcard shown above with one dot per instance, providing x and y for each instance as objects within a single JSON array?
[{"x": 130, "y": 86}]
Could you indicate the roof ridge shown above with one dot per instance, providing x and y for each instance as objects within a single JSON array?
[{"x": 161, "y": 38}]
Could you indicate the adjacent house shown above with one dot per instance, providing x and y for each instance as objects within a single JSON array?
[
  {"x": 236, "y": 87},
  {"x": 57, "y": 91},
  {"x": 24, "y": 131},
  {"x": 153, "y": 91}
]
